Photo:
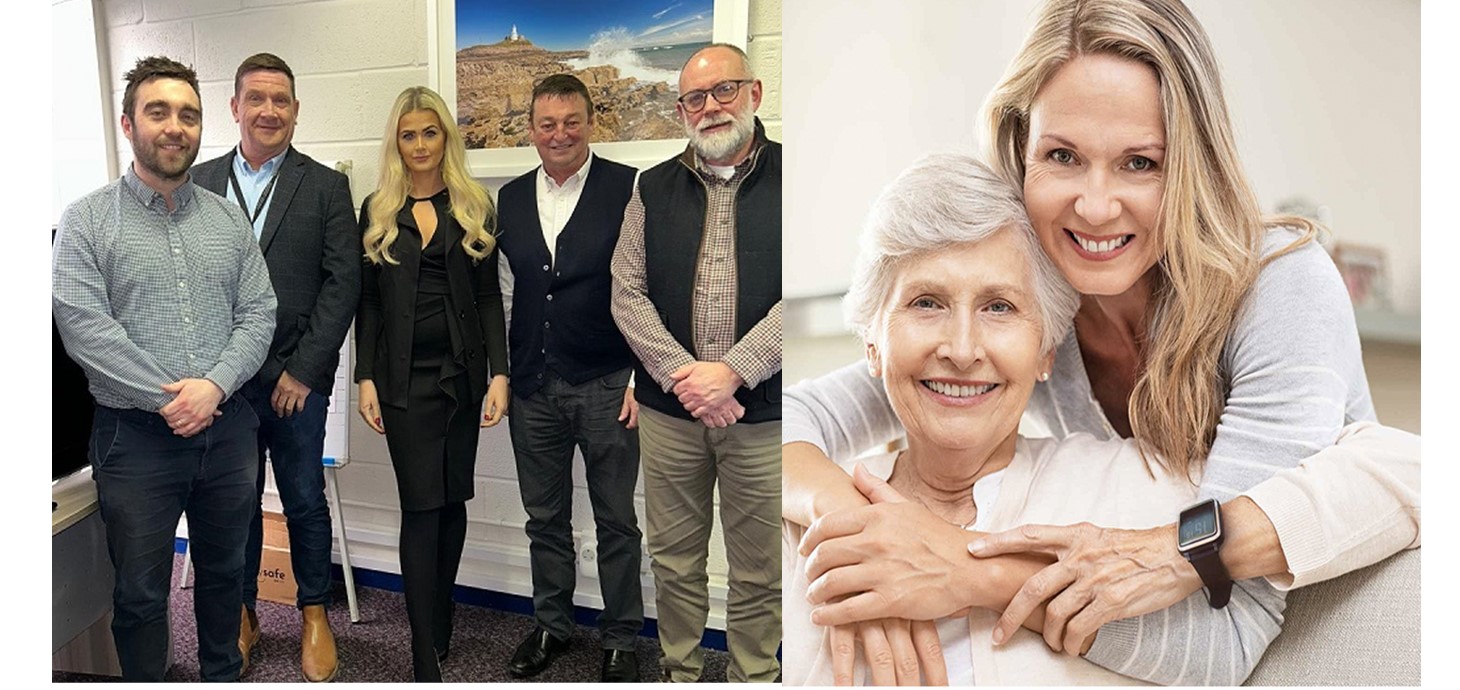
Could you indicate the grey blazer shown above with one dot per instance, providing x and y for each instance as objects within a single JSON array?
[{"x": 311, "y": 244}]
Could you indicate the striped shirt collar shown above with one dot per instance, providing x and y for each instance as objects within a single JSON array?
[{"x": 182, "y": 196}]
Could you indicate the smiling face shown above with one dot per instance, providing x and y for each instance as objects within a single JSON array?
[
  {"x": 421, "y": 140},
  {"x": 265, "y": 111},
  {"x": 560, "y": 127},
  {"x": 1094, "y": 171},
  {"x": 164, "y": 129},
  {"x": 958, "y": 346}
]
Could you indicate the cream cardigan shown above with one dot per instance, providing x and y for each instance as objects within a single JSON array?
[{"x": 1081, "y": 479}]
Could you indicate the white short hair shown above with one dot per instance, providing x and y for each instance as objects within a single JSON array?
[{"x": 939, "y": 201}]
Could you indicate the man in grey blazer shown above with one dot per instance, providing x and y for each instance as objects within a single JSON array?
[{"x": 304, "y": 218}]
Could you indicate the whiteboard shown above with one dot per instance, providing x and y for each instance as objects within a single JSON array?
[{"x": 337, "y": 420}]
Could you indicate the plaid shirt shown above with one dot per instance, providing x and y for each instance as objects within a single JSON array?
[
  {"x": 757, "y": 356},
  {"x": 144, "y": 296}
]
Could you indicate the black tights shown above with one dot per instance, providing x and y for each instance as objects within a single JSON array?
[{"x": 430, "y": 553}]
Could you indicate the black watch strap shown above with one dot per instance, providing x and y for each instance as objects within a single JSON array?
[{"x": 1208, "y": 563}]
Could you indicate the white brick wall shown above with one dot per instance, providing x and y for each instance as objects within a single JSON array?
[
  {"x": 161, "y": 10},
  {"x": 80, "y": 124},
  {"x": 350, "y": 59},
  {"x": 765, "y": 56}
]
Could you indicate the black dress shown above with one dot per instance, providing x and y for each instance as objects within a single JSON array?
[
  {"x": 430, "y": 335},
  {"x": 431, "y": 422},
  {"x": 433, "y": 439}
]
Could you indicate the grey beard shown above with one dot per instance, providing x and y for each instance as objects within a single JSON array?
[{"x": 721, "y": 145}]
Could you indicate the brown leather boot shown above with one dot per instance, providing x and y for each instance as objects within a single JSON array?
[
  {"x": 317, "y": 646},
  {"x": 248, "y": 636}
]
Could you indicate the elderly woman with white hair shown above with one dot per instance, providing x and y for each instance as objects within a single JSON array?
[
  {"x": 1217, "y": 339},
  {"x": 961, "y": 313}
]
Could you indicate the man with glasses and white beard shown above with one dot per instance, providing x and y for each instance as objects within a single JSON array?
[{"x": 709, "y": 372}]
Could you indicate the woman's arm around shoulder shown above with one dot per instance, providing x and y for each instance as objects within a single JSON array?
[{"x": 839, "y": 415}]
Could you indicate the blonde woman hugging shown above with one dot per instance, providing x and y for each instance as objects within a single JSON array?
[{"x": 1211, "y": 342}]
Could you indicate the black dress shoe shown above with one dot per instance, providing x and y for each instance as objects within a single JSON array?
[
  {"x": 619, "y": 666},
  {"x": 535, "y": 654}
]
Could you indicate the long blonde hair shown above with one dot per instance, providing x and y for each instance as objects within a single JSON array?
[
  {"x": 470, "y": 204},
  {"x": 1209, "y": 220}
]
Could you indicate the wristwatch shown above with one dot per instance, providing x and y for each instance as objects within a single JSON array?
[{"x": 1199, "y": 538}]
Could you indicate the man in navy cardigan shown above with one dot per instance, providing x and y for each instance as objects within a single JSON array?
[{"x": 570, "y": 377}]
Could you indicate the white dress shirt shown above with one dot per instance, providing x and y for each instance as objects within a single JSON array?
[{"x": 555, "y": 202}]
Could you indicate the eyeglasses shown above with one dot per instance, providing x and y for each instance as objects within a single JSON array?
[{"x": 724, "y": 92}]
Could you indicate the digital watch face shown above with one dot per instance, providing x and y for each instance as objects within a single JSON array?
[{"x": 1198, "y": 523}]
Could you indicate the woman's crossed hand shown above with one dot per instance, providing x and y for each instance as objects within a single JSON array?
[
  {"x": 1102, "y": 575},
  {"x": 844, "y": 562}
]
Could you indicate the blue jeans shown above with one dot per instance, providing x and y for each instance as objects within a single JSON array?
[
  {"x": 295, "y": 446},
  {"x": 146, "y": 478}
]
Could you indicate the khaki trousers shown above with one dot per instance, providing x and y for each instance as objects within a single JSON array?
[{"x": 682, "y": 461}]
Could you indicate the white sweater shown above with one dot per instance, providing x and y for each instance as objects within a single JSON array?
[
  {"x": 1048, "y": 482},
  {"x": 1105, "y": 482}
]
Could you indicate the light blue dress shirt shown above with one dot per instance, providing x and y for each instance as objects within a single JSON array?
[{"x": 253, "y": 184}]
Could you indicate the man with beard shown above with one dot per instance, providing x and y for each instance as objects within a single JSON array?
[
  {"x": 697, "y": 294},
  {"x": 161, "y": 295},
  {"x": 304, "y": 220}
]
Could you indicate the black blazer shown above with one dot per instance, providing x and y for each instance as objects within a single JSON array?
[
  {"x": 312, "y": 249},
  {"x": 387, "y": 311}
]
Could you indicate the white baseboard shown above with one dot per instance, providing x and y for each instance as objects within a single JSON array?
[{"x": 494, "y": 565}]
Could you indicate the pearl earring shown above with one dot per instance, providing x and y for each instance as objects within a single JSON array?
[{"x": 1044, "y": 376}]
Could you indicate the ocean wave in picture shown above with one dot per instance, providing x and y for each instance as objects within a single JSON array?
[{"x": 615, "y": 47}]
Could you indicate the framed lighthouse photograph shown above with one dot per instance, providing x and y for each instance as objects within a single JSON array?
[{"x": 488, "y": 55}]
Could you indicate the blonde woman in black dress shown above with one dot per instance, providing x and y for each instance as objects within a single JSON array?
[{"x": 431, "y": 349}]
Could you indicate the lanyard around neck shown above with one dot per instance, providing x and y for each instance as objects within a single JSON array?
[{"x": 263, "y": 198}]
